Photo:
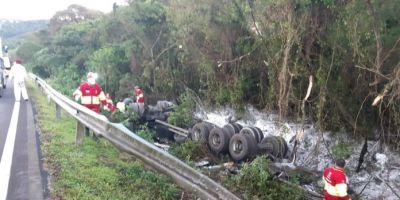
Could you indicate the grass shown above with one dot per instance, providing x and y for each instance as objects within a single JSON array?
[{"x": 94, "y": 170}]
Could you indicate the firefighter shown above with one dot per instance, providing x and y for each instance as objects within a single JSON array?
[
  {"x": 335, "y": 182},
  {"x": 110, "y": 107},
  {"x": 139, "y": 95},
  {"x": 18, "y": 73},
  {"x": 90, "y": 94},
  {"x": 139, "y": 100}
]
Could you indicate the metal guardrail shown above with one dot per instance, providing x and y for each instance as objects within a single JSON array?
[{"x": 182, "y": 174}]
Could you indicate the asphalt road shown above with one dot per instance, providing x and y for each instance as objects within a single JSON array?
[{"x": 20, "y": 167}]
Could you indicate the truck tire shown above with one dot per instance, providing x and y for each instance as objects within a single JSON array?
[
  {"x": 199, "y": 132},
  {"x": 252, "y": 132},
  {"x": 242, "y": 147},
  {"x": 260, "y": 133},
  {"x": 229, "y": 128},
  {"x": 270, "y": 145},
  {"x": 218, "y": 140},
  {"x": 209, "y": 125},
  {"x": 237, "y": 126}
]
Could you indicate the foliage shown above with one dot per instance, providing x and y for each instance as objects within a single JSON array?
[
  {"x": 300, "y": 178},
  {"x": 12, "y": 28},
  {"x": 110, "y": 62},
  {"x": 257, "y": 183},
  {"x": 182, "y": 115},
  {"x": 189, "y": 151},
  {"x": 145, "y": 133},
  {"x": 73, "y": 14},
  {"x": 131, "y": 119},
  {"x": 341, "y": 150},
  {"x": 26, "y": 50},
  {"x": 234, "y": 53},
  {"x": 95, "y": 170}
]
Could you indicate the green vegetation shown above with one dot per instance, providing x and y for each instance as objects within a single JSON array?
[
  {"x": 189, "y": 151},
  {"x": 182, "y": 115},
  {"x": 233, "y": 53},
  {"x": 9, "y": 29},
  {"x": 341, "y": 150},
  {"x": 94, "y": 170},
  {"x": 145, "y": 133},
  {"x": 257, "y": 183}
]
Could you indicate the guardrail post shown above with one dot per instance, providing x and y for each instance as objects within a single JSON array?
[
  {"x": 81, "y": 130},
  {"x": 58, "y": 112}
]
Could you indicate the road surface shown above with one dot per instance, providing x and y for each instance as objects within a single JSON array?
[{"x": 20, "y": 174}]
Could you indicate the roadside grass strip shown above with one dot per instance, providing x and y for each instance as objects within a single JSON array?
[{"x": 94, "y": 170}]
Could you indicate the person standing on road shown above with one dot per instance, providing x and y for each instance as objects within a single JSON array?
[
  {"x": 18, "y": 73},
  {"x": 90, "y": 94},
  {"x": 335, "y": 182}
]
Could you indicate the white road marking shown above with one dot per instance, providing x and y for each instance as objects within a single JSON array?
[{"x": 6, "y": 158}]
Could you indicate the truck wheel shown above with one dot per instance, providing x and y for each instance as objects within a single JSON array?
[
  {"x": 229, "y": 128},
  {"x": 209, "y": 126},
  {"x": 199, "y": 132},
  {"x": 270, "y": 145},
  {"x": 242, "y": 147},
  {"x": 260, "y": 133},
  {"x": 218, "y": 140},
  {"x": 237, "y": 126},
  {"x": 250, "y": 131}
]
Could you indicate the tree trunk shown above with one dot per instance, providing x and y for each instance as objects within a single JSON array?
[
  {"x": 379, "y": 46},
  {"x": 284, "y": 74}
]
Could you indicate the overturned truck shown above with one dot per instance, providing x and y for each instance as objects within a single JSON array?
[{"x": 240, "y": 143}]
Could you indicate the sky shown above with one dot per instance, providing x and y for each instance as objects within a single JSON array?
[{"x": 45, "y": 9}]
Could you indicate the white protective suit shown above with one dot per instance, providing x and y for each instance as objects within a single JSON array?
[{"x": 18, "y": 73}]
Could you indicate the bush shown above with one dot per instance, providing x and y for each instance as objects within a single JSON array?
[
  {"x": 189, "y": 151},
  {"x": 182, "y": 117},
  {"x": 145, "y": 133},
  {"x": 255, "y": 182},
  {"x": 341, "y": 150}
]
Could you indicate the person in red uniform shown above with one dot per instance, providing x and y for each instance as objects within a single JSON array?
[
  {"x": 139, "y": 95},
  {"x": 110, "y": 107},
  {"x": 335, "y": 182},
  {"x": 90, "y": 94}
]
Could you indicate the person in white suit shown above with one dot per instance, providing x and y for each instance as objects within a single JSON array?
[{"x": 18, "y": 73}]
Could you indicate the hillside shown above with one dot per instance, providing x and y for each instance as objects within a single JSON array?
[{"x": 15, "y": 28}]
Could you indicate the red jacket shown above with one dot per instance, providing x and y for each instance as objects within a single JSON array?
[
  {"x": 91, "y": 96},
  {"x": 110, "y": 104},
  {"x": 335, "y": 181},
  {"x": 139, "y": 96}
]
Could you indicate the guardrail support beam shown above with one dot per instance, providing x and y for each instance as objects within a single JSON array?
[
  {"x": 81, "y": 131},
  {"x": 58, "y": 112}
]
